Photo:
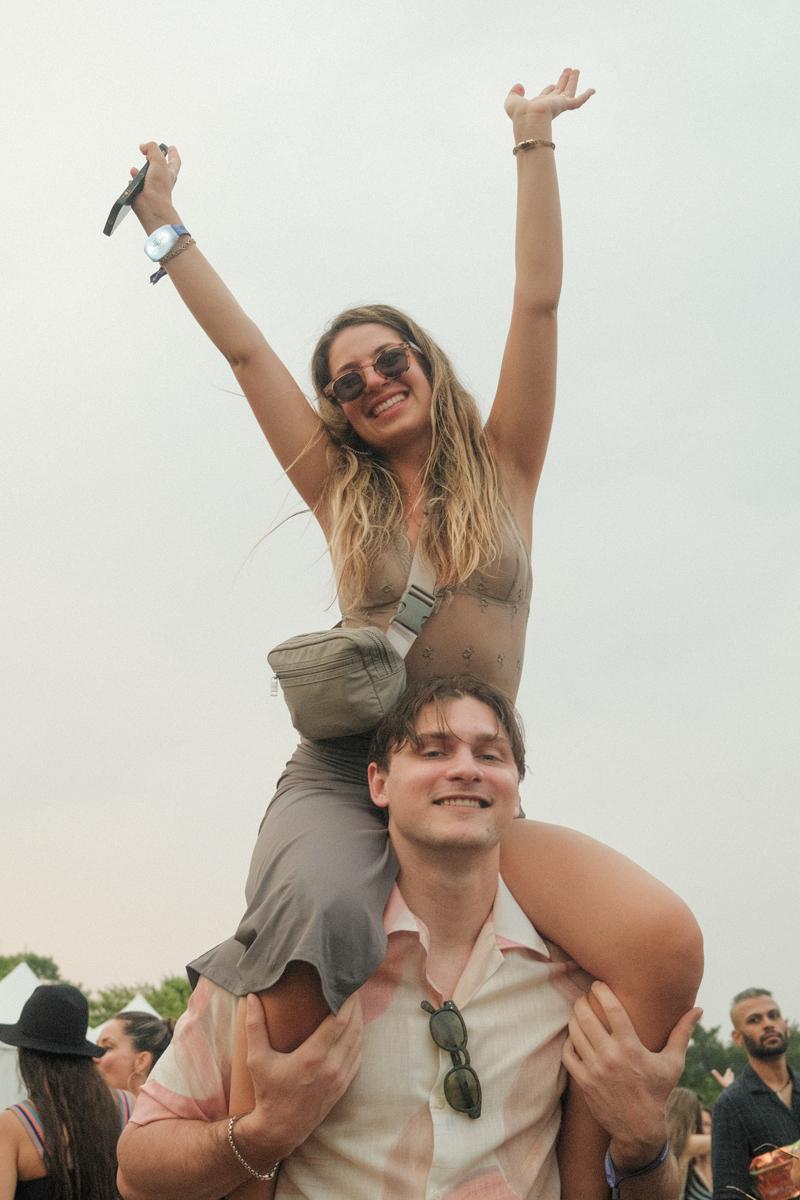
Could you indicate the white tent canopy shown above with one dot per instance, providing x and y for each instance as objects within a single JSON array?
[
  {"x": 139, "y": 1004},
  {"x": 15, "y": 989}
]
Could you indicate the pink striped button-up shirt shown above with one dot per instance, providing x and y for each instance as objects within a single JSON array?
[{"x": 393, "y": 1136}]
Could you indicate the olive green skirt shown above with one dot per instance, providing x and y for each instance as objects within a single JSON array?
[{"x": 319, "y": 879}]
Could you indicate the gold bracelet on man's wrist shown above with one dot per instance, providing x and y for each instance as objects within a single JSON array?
[{"x": 263, "y": 1175}]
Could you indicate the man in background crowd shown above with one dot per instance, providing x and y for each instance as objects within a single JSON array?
[{"x": 761, "y": 1109}]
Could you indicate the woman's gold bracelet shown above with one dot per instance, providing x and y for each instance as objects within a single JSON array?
[
  {"x": 531, "y": 144},
  {"x": 182, "y": 244}
]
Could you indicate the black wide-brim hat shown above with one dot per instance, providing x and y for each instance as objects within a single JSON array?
[{"x": 54, "y": 1020}]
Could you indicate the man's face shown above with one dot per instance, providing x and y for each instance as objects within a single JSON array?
[
  {"x": 458, "y": 789},
  {"x": 760, "y": 1028}
]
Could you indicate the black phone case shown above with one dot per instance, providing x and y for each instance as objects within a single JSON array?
[{"x": 122, "y": 205}]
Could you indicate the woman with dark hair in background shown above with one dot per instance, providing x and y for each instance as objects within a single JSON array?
[
  {"x": 133, "y": 1042},
  {"x": 61, "y": 1142}
]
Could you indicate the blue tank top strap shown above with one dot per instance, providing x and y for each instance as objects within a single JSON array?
[{"x": 32, "y": 1123}]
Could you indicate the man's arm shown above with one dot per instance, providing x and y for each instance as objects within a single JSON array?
[
  {"x": 178, "y": 1160},
  {"x": 191, "y": 1160},
  {"x": 626, "y": 1088}
]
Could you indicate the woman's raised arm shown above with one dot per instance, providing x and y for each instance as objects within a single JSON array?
[
  {"x": 290, "y": 424},
  {"x": 522, "y": 413}
]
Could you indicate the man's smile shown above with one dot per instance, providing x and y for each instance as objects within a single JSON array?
[{"x": 462, "y": 801}]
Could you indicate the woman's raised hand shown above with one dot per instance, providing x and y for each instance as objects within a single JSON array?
[
  {"x": 155, "y": 199},
  {"x": 551, "y": 101}
]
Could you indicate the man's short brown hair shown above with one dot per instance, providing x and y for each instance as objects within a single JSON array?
[
  {"x": 748, "y": 994},
  {"x": 399, "y": 727}
]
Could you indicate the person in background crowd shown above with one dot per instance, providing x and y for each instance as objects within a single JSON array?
[
  {"x": 133, "y": 1043},
  {"x": 699, "y": 1184},
  {"x": 688, "y": 1141},
  {"x": 760, "y": 1109},
  {"x": 61, "y": 1142}
]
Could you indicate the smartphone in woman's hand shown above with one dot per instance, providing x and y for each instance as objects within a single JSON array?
[{"x": 122, "y": 205}]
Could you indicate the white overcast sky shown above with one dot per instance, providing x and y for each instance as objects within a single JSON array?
[{"x": 339, "y": 152}]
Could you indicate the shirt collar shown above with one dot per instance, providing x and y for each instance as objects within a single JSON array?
[
  {"x": 512, "y": 929},
  {"x": 754, "y": 1083}
]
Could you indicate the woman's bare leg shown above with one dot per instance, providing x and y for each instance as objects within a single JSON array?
[
  {"x": 613, "y": 918},
  {"x": 582, "y": 1145},
  {"x": 294, "y": 1008},
  {"x": 622, "y": 926}
]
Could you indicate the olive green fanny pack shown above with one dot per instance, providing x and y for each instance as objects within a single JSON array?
[{"x": 343, "y": 681}]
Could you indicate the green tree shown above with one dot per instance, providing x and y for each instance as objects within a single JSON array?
[
  {"x": 171, "y": 997},
  {"x": 42, "y": 965},
  {"x": 707, "y": 1053}
]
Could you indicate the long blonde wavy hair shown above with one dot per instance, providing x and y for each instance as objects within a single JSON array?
[{"x": 465, "y": 512}]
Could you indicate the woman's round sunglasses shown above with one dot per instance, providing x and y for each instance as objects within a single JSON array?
[{"x": 392, "y": 362}]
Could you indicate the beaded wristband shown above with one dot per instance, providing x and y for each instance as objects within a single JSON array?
[
  {"x": 531, "y": 144},
  {"x": 270, "y": 1174}
]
